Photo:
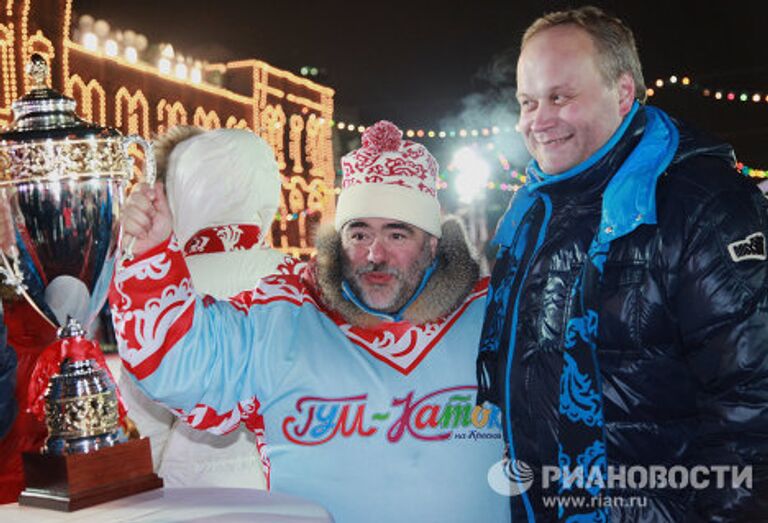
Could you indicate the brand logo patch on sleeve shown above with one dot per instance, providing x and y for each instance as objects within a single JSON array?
[{"x": 750, "y": 248}]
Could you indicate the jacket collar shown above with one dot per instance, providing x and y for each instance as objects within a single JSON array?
[
  {"x": 455, "y": 274},
  {"x": 629, "y": 198}
]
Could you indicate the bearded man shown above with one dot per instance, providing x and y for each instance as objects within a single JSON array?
[{"x": 361, "y": 362}]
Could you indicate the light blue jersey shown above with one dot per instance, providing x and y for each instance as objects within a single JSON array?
[{"x": 374, "y": 424}]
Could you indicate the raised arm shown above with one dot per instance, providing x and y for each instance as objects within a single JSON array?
[{"x": 191, "y": 353}]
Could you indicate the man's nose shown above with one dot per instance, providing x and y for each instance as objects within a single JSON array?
[
  {"x": 377, "y": 252},
  {"x": 543, "y": 117}
]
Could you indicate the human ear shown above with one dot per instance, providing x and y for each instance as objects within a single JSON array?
[{"x": 626, "y": 91}]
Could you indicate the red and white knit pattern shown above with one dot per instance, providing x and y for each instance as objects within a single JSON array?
[
  {"x": 223, "y": 238},
  {"x": 386, "y": 159}
]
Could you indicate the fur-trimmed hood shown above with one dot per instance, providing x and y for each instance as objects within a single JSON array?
[{"x": 456, "y": 274}]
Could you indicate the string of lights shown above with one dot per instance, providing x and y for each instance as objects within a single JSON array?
[
  {"x": 723, "y": 95},
  {"x": 751, "y": 171},
  {"x": 491, "y": 129},
  {"x": 515, "y": 175}
]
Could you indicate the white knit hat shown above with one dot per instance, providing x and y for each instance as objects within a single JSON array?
[
  {"x": 222, "y": 177},
  {"x": 389, "y": 177}
]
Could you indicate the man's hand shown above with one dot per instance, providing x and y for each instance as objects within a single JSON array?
[{"x": 146, "y": 217}]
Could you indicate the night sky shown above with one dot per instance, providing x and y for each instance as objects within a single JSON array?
[{"x": 420, "y": 63}]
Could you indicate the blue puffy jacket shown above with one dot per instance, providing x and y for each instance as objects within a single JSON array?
[{"x": 682, "y": 339}]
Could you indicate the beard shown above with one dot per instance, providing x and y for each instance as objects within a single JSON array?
[{"x": 396, "y": 293}]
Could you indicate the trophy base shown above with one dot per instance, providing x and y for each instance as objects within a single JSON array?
[{"x": 74, "y": 481}]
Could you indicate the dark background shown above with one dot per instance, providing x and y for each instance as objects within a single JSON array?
[{"x": 417, "y": 62}]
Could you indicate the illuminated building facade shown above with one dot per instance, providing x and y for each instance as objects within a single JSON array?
[{"x": 293, "y": 114}]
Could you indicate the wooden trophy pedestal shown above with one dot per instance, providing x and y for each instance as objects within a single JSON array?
[{"x": 74, "y": 481}]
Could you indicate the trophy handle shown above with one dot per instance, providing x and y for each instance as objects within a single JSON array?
[
  {"x": 150, "y": 172},
  {"x": 13, "y": 277}
]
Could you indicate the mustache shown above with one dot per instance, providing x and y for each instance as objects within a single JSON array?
[{"x": 377, "y": 267}]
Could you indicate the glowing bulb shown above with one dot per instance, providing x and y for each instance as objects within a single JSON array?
[
  {"x": 141, "y": 42},
  {"x": 686, "y": 80},
  {"x": 101, "y": 28},
  {"x": 110, "y": 48},
  {"x": 131, "y": 54},
  {"x": 650, "y": 92},
  {"x": 756, "y": 97},
  {"x": 409, "y": 133},
  {"x": 441, "y": 134},
  {"x": 431, "y": 134},
  {"x": 718, "y": 95},
  {"x": 196, "y": 75},
  {"x": 659, "y": 83},
  {"x": 360, "y": 128},
  {"x": 86, "y": 22},
  {"x": 673, "y": 79},
  {"x": 180, "y": 71},
  {"x": 90, "y": 41},
  {"x": 341, "y": 125},
  {"x": 164, "y": 65},
  {"x": 350, "y": 127}
]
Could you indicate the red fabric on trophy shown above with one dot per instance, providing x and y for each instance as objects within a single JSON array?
[
  {"x": 28, "y": 334},
  {"x": 76, "y": 348}
]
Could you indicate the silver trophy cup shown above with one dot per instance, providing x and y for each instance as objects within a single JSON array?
[{"x": 64, "y": 180}]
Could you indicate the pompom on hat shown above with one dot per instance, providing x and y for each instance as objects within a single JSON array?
[{"x": 389, "y": 177}]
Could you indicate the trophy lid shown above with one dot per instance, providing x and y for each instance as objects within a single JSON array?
[{"x": 45, "y": 113}]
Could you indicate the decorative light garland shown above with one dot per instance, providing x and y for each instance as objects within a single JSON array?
[
  {"x": 727, "y": 95},
  {"x": 685, "y": 82},
  {"x": 751, "y": 171},
  {"x": 521, "y": 178},
  {"x": 440, "y": 134}
]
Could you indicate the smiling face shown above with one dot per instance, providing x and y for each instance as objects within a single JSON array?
[
  {"x": 567, "y": 109},
  {"x": 384, "y": 260}
]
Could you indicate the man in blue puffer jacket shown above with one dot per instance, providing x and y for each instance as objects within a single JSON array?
[{"x": 626, "y": 330}]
